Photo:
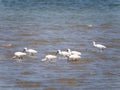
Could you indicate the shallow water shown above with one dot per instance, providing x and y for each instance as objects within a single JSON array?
[{"x": 47, "y": 27}]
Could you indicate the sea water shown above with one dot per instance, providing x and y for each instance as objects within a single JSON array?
[{"x": 50, "y": 25}]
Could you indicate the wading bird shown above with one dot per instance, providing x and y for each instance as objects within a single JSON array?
[
  {"x": 100, "y": 46},
  {"x": 73, "y": 57},
  {"x": 73, "y": 52},
  {"x": 30, "y": 51},
  {"x": 49, "y": 58},
  {"x": 62, "y": 53},
  {"x": 19, "y": 55}
]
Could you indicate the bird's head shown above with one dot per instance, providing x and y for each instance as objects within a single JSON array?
[
  {"x": 25, "y": 49},
  {"x": 58, "y": 51},
  {"x": 68, "y": 50}
]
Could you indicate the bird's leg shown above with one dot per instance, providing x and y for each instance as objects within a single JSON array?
[
  {"x": 29, "y": 54},
  {"x": 53, "y": 60},
  {"x": 32, "y": 54},
  {"x": 68, "y": 59},
  {"x": 21, "y": 57},
  {"x": 101, "y": 50},
  {"x": 49, "y": 60}
]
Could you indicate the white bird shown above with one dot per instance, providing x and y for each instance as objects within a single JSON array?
[
  {"x": 49, "y": 58},
  {"x": 73, "y": 52},
  {"x": 63, "y": 53},
  {"x": 100, "y": 46},
  {"x": 30, "y": 51},
  {"x": 73, "y": 57},
  {"x": 89, "y": 25},
  {"x": 19, "y": 55}
]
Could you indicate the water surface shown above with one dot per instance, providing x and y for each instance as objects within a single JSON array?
[{"x": 50, "y": 25}]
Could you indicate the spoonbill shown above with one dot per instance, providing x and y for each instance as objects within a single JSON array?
[
  {"x": 19, "y": 55},
  {"x": 49, "y": 58},
  {"x": 30, "y": 51},
  {"x": 63, "y": 53},
  {"x": 100, "y": 46},
  {"x": 73, "y": 52},
  {"x": 73, "y": 57}
]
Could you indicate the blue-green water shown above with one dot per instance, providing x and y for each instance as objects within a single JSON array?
[{"x": 49, "y": 25}]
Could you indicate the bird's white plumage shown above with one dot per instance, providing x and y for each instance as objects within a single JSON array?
[
  {"x": 30, "y": 51},
  {"x": 100, "y": 46},
  {"x": 74, "y": 52},
  {"x": 49, "y": 58},
  {"x": 19, "y": 55},
  {"x": 74, "y": 57},
  {"x": 63, "y": 53},
  {"x": 89, "y": 25}
]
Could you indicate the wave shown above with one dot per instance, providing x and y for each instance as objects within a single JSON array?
[{"x": 73, "y": 4}]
